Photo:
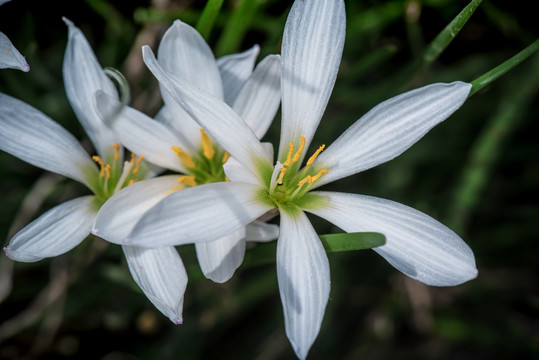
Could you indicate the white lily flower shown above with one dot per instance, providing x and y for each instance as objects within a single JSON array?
[
  {"x": 35, "y": 138},
  {"x": 416, "y": 244},
  {"x": 10, "y": 57},
  {"x": 176, "y": 142}
]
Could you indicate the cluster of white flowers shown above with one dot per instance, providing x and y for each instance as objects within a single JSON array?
[{"x": 222, "y": 178}]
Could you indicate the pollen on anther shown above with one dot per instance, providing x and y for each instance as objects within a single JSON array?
[
  {"x": 307, "y": 179},
  {"x": 187, "y": 180},
  {"x": 98, "y": 160},
  {"x": 116, "y": 148},
  {"x": 206, "y": 145},
  {"x": 315, "y": 155},
  {"x": 281, "y": 175},
  {"x": 184, "y": 157},
  {"x": 289, "y": 156},
  {"x": 300, "y": 150},
  {"x": 137, "y": 164},
  {"x": 225, "y": 157}
]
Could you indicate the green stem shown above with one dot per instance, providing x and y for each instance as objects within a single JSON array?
[
  {"x": 207, "y": 19},
  {"x": 447, "y": 35},
  {"x": 499, "y": 70}
]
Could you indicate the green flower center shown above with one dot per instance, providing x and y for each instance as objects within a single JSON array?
[
  {"x": 115, "y": 175},
  {"x": 289, "y": 184}
]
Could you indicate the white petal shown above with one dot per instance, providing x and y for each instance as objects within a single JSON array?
[
  {"x": 261, "y": 231},
  {"x": 220, "y": 121},
  {"x": 313, "y": 40},
  {"x": 185, "y": 129},
  {"x": 184, "y": 54},
  {"x": 304, "y": 280},
  {"x": 199, "y": 214},
  {"x": 83, "y": 76},
  {"x": 161, "y": 276},
  {"x": 141, "y": 134},
  {"x": 416, "y": 244},
  {"x": 259, "y": 99},
  {"x": 55, "y": 232},
  {"x": 30, "y": 135},
  {"x": 2, "y": 2},
  {"x": 118, "y": 216},
  {"x": 236, "y": 171},
  {"x": 235, "y": 69},
  {"x": 10, "y": 57},
  {"x": 390, "y": 128},
  {"x": 220, "y": 258}
]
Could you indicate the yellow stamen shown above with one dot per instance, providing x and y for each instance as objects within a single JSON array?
[
  {"x": 137, "y": 164},
  {"x": 107, "y": 171},
  {"x": 300, "y": 150},
  {"x": 130, "y": 182},
  {"x": 227, "y": 179},
  {"x": 307, "y": 179},
  {"x": 187, "y": 180},
  {"x": 116, "y": 151},
  {"x": 184, "y": 157},
  {"x": 281, "y": 175},
  {"x": 317, "y": 176},
  {"x": 315, "y": 155},
  {"x": 289, "y": 156},
  {"x": 98, "y": 160},
  {"x": 225, "y": 157},
  {"x": 132, "y": 160},
  {"x": 206, "y": 145}
]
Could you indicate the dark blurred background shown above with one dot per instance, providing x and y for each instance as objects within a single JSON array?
[{"x": 477, "y": 172}]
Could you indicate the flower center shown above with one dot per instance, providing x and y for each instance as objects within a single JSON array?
[
  {"x": 204, "y": 167},
  {"x": 289, "y": 183},
  {"x": 113, "y": 176}
]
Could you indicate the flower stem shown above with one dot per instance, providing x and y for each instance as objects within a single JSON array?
[{"x": 501, "y": 69}]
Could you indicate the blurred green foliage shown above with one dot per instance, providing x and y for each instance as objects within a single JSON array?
[{"x": 477, "y": 172}]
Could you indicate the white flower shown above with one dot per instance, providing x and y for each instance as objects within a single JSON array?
[
  {"x": 176, "y": 142},
  {"x": 416, "y": 244},
  {"x": 35, "y": 138},
  {"x": 10, "y": 57}
]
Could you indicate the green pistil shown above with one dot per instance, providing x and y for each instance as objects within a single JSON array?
[{"x": 206, "y": 170}]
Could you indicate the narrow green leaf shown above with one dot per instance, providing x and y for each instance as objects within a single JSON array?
[
  {"x": 445, "y": 37},
  {"x": 352, "y": 241},
  {"x": 237, "y": 26},
  {"x": 499, "y": 70},
  {"x": 207, "y": 19},
  {"x": 264, "y": 253}
]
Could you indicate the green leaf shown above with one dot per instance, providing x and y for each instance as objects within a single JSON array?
[
  {"x": 499, "y": 70},
  {"x": 445, "y": 37},
  {"x": 352, "y": 241},
  {"x": 207, "y": 19},
  {"x": 264, "y": 253}
]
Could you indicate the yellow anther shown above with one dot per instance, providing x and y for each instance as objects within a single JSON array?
[
  {"x": 107, "y": 171},
  {"x": 317, "y": 176},
  {"x": 227, "y": 179},
  {"x": 137, "y": 164},
  {"x": 315, "y": 155},
  {"x": 300, "y": 150},
  {"x": 132, "y": 160},
  {"x": 289, "y": 156},
  {"x": 225, "y": 157},
  {"x": 206, "y": 145},
  {"x": 281, "y": 176},
  {"x": 131, "y": 182},
  {"x": 307, "y": 179},
  {"x": 116, "y": 148},
  {"x": 98, "y": 160},
  {"x": 184, "y": 157},
  {"x": 187, "y": 180}
]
